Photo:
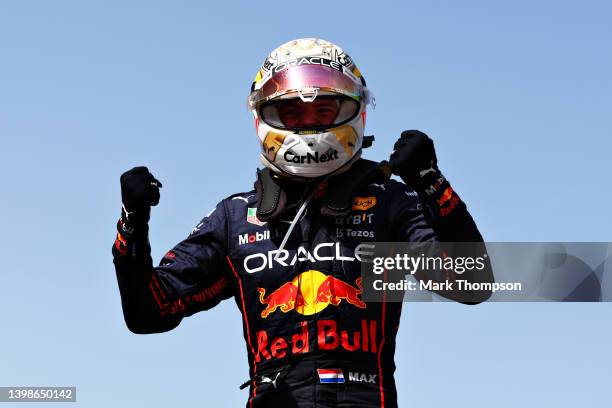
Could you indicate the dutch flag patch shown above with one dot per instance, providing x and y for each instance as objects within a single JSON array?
[{"x": 330, "y": 375}]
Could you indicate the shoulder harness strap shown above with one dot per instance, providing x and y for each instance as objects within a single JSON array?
[
  {"x": 339, "y": 194},
  {"x": 271, "y": 199},
  {"x": 338, "y": 199}
]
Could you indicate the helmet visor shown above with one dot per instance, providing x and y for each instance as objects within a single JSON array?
[
  {"x": 324, "y": 112},
  {"x": 307, "y": 81}
]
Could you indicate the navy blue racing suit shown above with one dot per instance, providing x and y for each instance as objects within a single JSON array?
[{"x": 311, "y": 340}]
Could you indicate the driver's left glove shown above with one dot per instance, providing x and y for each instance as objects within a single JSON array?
[{"x": 414, "y": 160}]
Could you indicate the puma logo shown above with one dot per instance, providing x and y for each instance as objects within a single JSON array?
[
  {"x": 429, "y": 170},
  {"x": 265, "y": 379},
  {"x": 246, "y": 200}
]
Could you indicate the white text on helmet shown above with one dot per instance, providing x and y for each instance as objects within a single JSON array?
[
  {"x": 308, "y": 61},
  {"x": 309, "y": 158}
]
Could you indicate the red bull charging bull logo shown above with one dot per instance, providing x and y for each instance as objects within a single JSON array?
[
  {"x": 309, "y": 293},
  {"x": 121, "y": 244},
  {"x": 446, "y": 195}
]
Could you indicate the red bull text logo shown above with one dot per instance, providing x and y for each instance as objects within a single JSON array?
[
  {"x": 309, "y": 293},
  {"x": 450, "y": 200},
  {"x": 328, "y": 337}
]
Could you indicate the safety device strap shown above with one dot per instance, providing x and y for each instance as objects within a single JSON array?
[
  {"x": 271, "y": 198},
  {"x": 338, "y": 197},
  {"x": 342, "y": 189}
]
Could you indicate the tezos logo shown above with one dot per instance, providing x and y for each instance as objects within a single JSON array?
[
  {"x": 311, "y": 158},
  {"x": 250, "y": 238}
]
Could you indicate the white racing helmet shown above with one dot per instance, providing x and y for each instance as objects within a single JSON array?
[{"x": 309, "y": 69}]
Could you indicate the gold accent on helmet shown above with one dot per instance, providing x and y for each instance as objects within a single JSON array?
[
  {"x": 347, "y": 137},
  {"x": 258, "y": 77},
  {"x": 272, "y": 143}
]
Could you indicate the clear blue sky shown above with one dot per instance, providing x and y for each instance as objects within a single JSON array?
[{"x": 516, "y": 95}]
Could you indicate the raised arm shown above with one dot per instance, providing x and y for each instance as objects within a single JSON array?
[
  {"x": 436, "y": 208},
  {"x": 191, "y": 277}
]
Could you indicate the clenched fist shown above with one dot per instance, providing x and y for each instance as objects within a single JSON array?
[
  {"x": 139, "y": 189},
  {"x": 413, "y": 158}
]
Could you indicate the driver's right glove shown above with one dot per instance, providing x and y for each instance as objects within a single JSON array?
[{"x": 139, "y": 191}]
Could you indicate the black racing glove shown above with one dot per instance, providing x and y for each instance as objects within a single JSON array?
[
  {"x": 414, "y": 160},
  {"x": 139, "y": 191}
]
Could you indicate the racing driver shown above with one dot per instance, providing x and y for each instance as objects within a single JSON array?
[{"x": 289, "y": 250}]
